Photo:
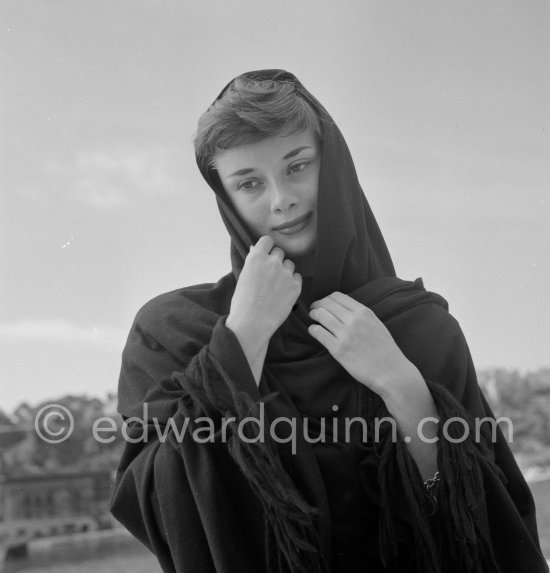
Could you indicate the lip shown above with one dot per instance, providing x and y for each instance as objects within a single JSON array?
[{"x": 292, "y": 226}]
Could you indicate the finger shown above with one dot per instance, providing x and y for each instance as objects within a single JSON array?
[
  {"x": 333, "y": 307},
  {"x": 265, "y": 243},
  {"x": 321, "y": 334},
  {"x": 326, "y": 319},
  {"x": 287, "y": 263},
  {"x": 346, "y": 301},
  {"x": 278, "y": 253},
  {"x": 298, "y": 278}
]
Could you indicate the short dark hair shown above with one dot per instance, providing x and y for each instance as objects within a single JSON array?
[{"x": 249, "y": 111}]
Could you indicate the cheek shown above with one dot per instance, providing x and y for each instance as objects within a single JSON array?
[
  {"x": 254, "y": 213},
  {"x": 313, "y": 192},
  {"x": 313, "y": 186}
]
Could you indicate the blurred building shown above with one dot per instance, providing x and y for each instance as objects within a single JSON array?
[{"x": 53, "y": 504}]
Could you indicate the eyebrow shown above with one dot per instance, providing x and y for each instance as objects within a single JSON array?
[
  {"x": 290, "y": 154},
  {"x": 296, "y": 151}
]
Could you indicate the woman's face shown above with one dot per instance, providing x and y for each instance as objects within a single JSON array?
[{"x": 274, "y": 182}]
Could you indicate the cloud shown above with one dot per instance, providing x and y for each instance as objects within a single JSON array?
[
  {"x": 116, "y": 177},
  {"x": 57, "y": 330}
]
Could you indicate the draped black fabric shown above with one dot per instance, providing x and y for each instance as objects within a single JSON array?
[{"x": 353, "y": 504}]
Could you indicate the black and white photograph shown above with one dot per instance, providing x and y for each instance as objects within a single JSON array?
[{"x": 275, "y": 286}]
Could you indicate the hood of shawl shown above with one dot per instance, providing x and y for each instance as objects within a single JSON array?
[{"x": 350, "y": 249}]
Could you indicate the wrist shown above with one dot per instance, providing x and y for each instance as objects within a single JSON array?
[
  {"x": 403, "y": 387},
  {"x": 253, "y": 344},
  {"x": 246, "y": 331}
]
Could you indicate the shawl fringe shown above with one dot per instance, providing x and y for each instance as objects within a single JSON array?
[
  {"x": 449, "y": 539},
  {"x": 292, "y": 540}
]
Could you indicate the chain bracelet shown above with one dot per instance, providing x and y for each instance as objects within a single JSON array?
[{"x": 428, "y": 485}]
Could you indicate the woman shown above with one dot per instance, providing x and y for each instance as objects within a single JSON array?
[{"x": 313, "y": 339}]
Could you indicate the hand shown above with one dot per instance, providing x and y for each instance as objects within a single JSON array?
[
  {"x": 266, "y": 290},
  {"x": 358, "y": 340}
]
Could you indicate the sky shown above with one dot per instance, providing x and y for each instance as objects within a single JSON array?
[{"x": 444, "y": 105}]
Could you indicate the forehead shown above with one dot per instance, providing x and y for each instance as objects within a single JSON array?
[{"x": 266, "y": 153}]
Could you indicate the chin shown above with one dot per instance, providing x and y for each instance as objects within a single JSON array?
[{"x": 297, "y": 250}]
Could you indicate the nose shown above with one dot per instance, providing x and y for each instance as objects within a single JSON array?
[{"x": 281, "y": 196}]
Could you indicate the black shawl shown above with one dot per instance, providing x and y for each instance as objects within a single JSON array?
[{"x": 261, "y": 505}]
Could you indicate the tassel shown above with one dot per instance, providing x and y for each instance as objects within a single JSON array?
[
  {"x": 396, "y": 469},
  {"x": 292, "y": 540},
  {"x": 449, "y": 540},
  {"x": 461, "y": 489}
]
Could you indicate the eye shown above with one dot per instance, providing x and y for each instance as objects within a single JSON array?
[
  {"x": 298, "y": 167},
  {"x": 248, "y": 185}
]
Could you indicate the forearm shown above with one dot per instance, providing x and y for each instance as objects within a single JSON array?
[
  {"x": 254, "y": 346},
  {"x": 410, "y": 405}
]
